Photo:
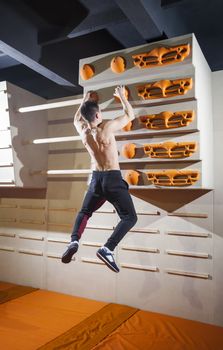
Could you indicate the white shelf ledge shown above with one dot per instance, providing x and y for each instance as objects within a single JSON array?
[
  {"x": 140, "y": 267},
  {"x": 187, "y": 254},
  {"x": 5, "y": 165},
  {"x": 61, "y": 172},
  {"x": 169, "y": 188},
  {"x": 52, "y": 105},
  {"x": 143, "y": 134},
  {"x": 52, "y": 140},
  {"x": 188, "y": 273}
]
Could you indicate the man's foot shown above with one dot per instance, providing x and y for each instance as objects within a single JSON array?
[
  {"x": 107, "y": 256},
  {"x": 71, "y": 250}
]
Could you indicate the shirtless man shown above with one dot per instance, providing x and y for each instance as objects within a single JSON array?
[{"x": 107, "y": 183}]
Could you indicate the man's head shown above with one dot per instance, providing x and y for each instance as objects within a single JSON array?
[{"x": 90, "y": 111}]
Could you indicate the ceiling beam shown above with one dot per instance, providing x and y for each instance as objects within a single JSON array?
[
  {"x": 168, "y": 20},
  {"x": 111, "y": 17},
  {"x": 151, "y": 19},
  {"x": 126, "y": 34},
  {"x": 100, "y": 17},
  {"x": 34, "y": 65},
  {"x": 107, "y": 16},
  {"x": 97, "y": 21},
  {"x": 19, "y": 41},
  {"x": 140, "y": 18}
]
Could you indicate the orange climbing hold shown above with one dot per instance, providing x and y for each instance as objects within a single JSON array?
[
  {"x": 128, "y": 127},
  {"x": 170, "y": 149},
  {"x": 165, "y": 88},
  {"x": 87, "y": 71},
  {"x": 167, "y": 120},
  {"x": 118, "y": 64},
  {"x": 173, "y": 177},
  {"x": 161, "y": 56},
  {"x": 132, "y": 177},
  {"x": 129, "y": 150},
  {"x": 94, "y": 96}
]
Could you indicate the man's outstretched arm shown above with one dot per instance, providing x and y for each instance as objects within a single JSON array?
[
  {"x": 79, "y": 121},
  {"x": 119, "y": 122}
]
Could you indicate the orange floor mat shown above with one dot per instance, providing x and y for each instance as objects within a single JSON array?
[
  {"x": 9, "y": 291},
  {"x": 88, "y": 333},
  {"x": 6, "y": 285},
  {"x": 32, "y": 320},
  {"x": 148, "y": 330},
  {"x": 48, "y": 320}
]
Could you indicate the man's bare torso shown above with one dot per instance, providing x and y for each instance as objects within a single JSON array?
[{"x": 101, "y": 145}]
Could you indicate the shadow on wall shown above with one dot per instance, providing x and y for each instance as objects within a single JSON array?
[{"x": 169, "y": 199}]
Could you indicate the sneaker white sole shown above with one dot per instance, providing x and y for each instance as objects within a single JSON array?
[{"x": 106, "y": 262}]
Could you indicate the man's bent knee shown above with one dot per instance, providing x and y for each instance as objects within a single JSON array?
[{"x": 134, "y": 219}]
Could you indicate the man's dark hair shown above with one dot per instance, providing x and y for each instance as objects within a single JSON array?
[{"x": 89, "y": 110}]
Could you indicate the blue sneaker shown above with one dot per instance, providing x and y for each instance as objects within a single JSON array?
[
  {"x": 107, "y": 256},
  {"x": 72, "y": 248}
]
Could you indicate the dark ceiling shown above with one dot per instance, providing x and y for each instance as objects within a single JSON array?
[{"x": 41, "y": 42}]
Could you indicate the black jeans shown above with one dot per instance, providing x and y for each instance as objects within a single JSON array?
[{"x": 107, "y": 185}]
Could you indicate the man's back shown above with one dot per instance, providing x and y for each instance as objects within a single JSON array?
[
  {"x": 98, "y": 135},
  {"x": 101, "y": 145}
]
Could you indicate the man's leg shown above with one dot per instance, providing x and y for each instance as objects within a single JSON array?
[
  {"x": 92, "y": 202},
  {"x": 118, "y": 195},
  {"x": 123, "y": 204}
]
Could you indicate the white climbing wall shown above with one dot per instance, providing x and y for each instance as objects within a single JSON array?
[{"x": 171, "y": 260}]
